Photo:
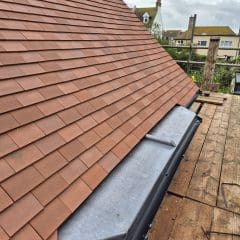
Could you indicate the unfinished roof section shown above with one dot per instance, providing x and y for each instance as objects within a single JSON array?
[{"x": 82, "y": 82}]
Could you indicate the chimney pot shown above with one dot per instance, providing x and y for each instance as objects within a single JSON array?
[{"x": 159, "y": 3}]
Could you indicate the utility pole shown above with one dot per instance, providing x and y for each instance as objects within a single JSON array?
[
  {"x": 210, "y": 64},
  {"x": 191, "y": 44}
]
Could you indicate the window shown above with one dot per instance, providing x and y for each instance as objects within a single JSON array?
[
  {"x": 226, "y": 44},
  {"x": 145, "y": 20},
  {"x": 179, "y": 42},
  {"x": 202, "y": 43}
]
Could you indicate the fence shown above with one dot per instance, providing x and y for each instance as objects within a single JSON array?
[
  {"x": 189, "y": 62},
  {"x": 210, "y": 64}
]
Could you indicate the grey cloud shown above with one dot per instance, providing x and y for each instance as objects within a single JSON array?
[{"x": 218, "y": 12}]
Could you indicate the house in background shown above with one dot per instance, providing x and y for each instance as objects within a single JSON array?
[
  {"x": 170, "y": 35},
  {"x": 146, "y": 18},
  {"x": 152, "y": 18},
  {"x": 146, "y": 15},
  {"x": 202, "y": 34}
]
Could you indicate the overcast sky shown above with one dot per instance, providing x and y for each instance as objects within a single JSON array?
[{"x": 210, "y": 12}]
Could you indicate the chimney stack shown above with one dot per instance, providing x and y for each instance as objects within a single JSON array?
[
  {"x": 191, "y": 23},
  {"x": 159, "y": 3},
  {"x": 134, "y": 9}
]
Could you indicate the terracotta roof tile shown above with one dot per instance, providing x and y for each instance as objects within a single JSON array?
[
  {"x": 7, "y": 87},
  {"x": 75, "y": 195},
  {"x": 68, "y": 101},
  {"x": 73, "y": 170},
  {"x": 50, "y": 164},
  {"x": 70, "y": 132},
  {"x": 109, "y": 162},
  {"x": 27, "y": 115},
  {"x": 86, "y": 123},
  {"x": 28, "y": 83},
  {"x": 80, "y": 87},
  {"x": 54, "y": 236},
  {"x": 9, "y": 103},
  {"x": 24, "y": 157},
  {"x": 89, "y": 138},
  {"x": 25, "y": 135},
  {"x": 50, "y": 107},
  {"x": 94, "y": 176},
  {"x": 28, "y": 98},
  {"x": 69, "y": 115},
  {"x": 103, "y": 129},
  {"x": 5, "y": 200},
  {"x": 85, "y": 108},
  {"x": 121, "y": 150},
  {"x": 21, "y": 183},
  {"x": 131, "y": 140},
  {"x": 50, "y": 143},
  {"x": 50, "y": 218},
  {"x": 105, "y": 145},
  {"x": 72, "y": 149},
  {"x": 67, "y": 87},
  {"x": 91, "y": 156},
  {"x": 50, "y": 124},
  {"x": 48, "y": 190},
  {"x": 50, "y": 92},
  {"x": 15, "y": 218},
  {"x": 3, "y": 235},
  {"x": 26, "y": 231},
  {"x": 5, "y": 170},
  {"x": 7, "y": 145}
]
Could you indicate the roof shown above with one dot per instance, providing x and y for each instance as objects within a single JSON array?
[
  {"x": 151, "y": 11},
  {"x": 171, "y": 33},
  {"x": 146, "y": 14},
  {"x": 207, "y": 31},
  {"x": 81, "y": 84}
]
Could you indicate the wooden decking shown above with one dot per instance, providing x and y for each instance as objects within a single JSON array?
[{"x": 203, "y": 200}]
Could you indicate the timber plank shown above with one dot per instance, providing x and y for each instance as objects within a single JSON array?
[
  {"x": 205, "y": 181},
  {"x": 195, "y": 107},
  {"x": 210, "y": 100},
  {"x": 226, "y": 222},
  {"x": 223, "y": 222},
  {"x": 229, "y": 194},
  {"x": 217, "y": 236},
  {"x": 181, "y": 180},
  {"x": 168, "y": 211},
  {"x": 193, "y": 222}
]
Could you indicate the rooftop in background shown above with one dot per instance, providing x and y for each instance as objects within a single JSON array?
[
  {"x": 151, "y": 11},
  {"x": 207, "y": 31}
]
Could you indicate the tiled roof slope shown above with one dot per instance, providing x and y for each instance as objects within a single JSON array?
[{"x": 81, "y": 82}]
